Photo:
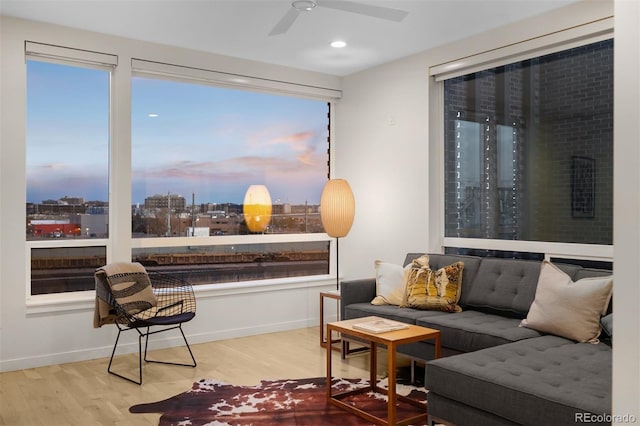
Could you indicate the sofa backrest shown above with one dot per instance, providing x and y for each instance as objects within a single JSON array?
[
  {"x": 502, "y": 286},
  {"x": 506, "y": 286},
  {"x": 589, "y": 273}
]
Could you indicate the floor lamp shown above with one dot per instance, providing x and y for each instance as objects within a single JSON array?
[{"x": 337, "y": 209}]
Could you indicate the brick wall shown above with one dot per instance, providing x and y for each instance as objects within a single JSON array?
[{"x": 560, "y": 108}]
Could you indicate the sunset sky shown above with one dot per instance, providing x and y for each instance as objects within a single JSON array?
[{"x": 186, "y": 138}]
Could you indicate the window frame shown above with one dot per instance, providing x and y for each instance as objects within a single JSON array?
[
  {"x": 80, "y": 58},
  {"x": 120, "y": 243},
  {"x": 581, "y": 35},
  {"x": 170, "y": 72}
]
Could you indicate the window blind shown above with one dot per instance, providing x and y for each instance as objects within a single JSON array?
[
  {"x": 180, "y": 73},
  {"x": 57, "y": 54},
  {"x": 549, "y": 43}
]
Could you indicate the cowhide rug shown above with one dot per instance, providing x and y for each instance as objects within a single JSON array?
[{"x": 282, "y": 402}]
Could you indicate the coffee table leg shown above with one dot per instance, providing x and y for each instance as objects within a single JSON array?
[
  {"x": 373, "y": 366},
  {"x": 322, "y": 320},
  {"x": 328, "y": 347},
  {"x": 391, "y": 393}
]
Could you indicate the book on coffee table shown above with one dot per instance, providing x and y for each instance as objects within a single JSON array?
[{"x": 380, "y": 325}]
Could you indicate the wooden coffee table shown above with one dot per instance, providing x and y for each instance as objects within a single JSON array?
[{"x": 391, "y": 339}]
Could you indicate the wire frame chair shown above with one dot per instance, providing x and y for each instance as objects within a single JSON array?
[{"x": 176, "y": 305}]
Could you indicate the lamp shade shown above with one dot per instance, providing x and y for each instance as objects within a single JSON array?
[
  {"x": 337, "y": 208},
  {"x": 257, "y": 208}
]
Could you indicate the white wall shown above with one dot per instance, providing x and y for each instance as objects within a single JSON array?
[
  {"x": 388, "y": 151},
  {"x": 381, "y": 126},
  {"x": 626, "y": 198},
  {"x": 50, "y": 333}
]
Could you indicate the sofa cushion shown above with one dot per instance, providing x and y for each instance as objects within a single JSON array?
[
  {"x": 566, "y": 308},
  {"x": 503, "y": 286},
  {"x": 390, "y": 283},
  {"x": 437, "y": 261},
  {"x": 461, "y": 414},
  {"x": 546, "y": 380},
  {"x": 473, "y": 330},
  {"x": 592, "y": 272},
  {"x": 396, "y": 313},
  {"x": 434, "y": 289},
  {"x": 606, "y": 323},
  {"x": 417, "y": 279}
]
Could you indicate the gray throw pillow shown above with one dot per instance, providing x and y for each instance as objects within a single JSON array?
[{"x": 607, "y": 324}]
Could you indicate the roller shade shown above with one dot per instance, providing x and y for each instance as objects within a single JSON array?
[
  {"x": 152, "y": 69},
  {"x": 550, "y": 43},
  {"x": 56, "y": 53}
]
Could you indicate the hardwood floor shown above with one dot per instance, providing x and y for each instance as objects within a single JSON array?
[{"x": 83, "y": 393}]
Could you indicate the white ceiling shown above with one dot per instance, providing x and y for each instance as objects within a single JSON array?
[{"x": 240, "y": 28}]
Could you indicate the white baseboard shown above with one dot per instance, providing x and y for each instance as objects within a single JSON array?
[{"x": 129, "y": 344}]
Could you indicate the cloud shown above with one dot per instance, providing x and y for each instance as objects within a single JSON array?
[
  {"x": 56, "y": 186},
  {"x": 301, "y": 142},
  {"x": 296, "y": 141},
  {"x": 236, "y": 167},
  {"x": 190, "y": 171}
]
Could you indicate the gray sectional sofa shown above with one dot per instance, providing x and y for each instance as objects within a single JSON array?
[{"x": 492, "y": 370}]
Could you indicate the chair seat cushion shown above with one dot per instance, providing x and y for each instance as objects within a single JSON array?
[{"x": 166, "y": 320}]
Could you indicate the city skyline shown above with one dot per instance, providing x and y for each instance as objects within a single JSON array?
[{"x": 186, "y": 138}]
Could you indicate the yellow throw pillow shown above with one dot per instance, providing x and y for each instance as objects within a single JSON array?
[
  {"x": 448, "y": 281},
  {"x": 416, "y": 279},
  {"x": 435, "y": 290}
]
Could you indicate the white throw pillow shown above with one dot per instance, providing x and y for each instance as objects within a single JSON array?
[
  {"x": 390, "y": 283},
  {"x": 566, "y": 308}
]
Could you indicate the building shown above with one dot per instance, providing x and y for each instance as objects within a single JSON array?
[
  {"x": 282, "y": 209},
  {"x": 386, "y": 162},
  {"x": 52, "y": 228},
  {"x": 72, "y": 200},
  {"x": 173, "y": 201},
  {"x": 93, "y": 225}
]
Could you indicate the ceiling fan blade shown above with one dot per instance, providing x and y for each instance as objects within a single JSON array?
[
  {"x": 381, "y": 12},
  {"x": 285, "y": 23}
]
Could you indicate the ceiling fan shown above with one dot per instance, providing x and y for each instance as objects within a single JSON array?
[{"x": 299, "y": 6}]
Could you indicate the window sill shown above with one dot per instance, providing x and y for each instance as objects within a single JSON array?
[{"x": 85, "y": 301}]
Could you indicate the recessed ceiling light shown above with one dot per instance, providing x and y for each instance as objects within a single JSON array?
[
  {"x": 152, "y": 115},
  {"x": 338, "y": 43},
  {"x": 304, "y": 5}
]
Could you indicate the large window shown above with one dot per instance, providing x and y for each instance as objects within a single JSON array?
[
  {"x": 529, "y": 149},
  {"x": 67, "y": 151},
  {"x": 68, "y": 122},
  {"x": 196, "y": 149}
]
